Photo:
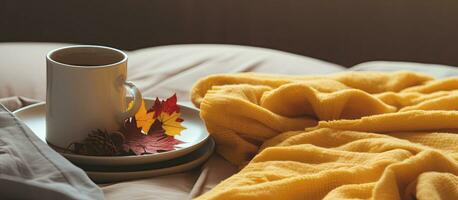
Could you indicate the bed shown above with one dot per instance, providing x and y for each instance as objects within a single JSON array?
[{"x": 162, "y": 71}]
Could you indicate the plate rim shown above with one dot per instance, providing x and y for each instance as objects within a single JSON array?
[
  {"x": 101, "y": 177},
  {"x": 208, "y": 153},
  {"x": 162, "y": 155}
]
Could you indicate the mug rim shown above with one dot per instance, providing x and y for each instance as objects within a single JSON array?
[{"x": 124, "y": 59}]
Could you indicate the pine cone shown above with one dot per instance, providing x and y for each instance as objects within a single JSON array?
[{"x": 101, "y": 143}]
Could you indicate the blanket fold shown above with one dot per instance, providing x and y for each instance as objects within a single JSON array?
[
  {"x": 354, "y": 135},
  {"x": 30, "y": 169}
]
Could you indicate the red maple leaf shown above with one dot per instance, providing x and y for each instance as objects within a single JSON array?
[
  {"x": 140, "y": 143},
  {"x": 156, "y": 108},
  {"x": 168, "y": 106}
]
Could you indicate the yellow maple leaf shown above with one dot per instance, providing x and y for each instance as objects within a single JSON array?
[
  {"x": 170, "y": 124},
  {"x": 144, "y": 119}
]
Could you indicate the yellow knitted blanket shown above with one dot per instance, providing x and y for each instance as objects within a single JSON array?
[{"x": 356, "y": 135}]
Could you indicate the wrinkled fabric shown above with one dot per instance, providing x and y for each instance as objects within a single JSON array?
[
  {"x": 354, "y": 135},
  {"x": 243, "y": 110},
  {"x": 29, "y": 169}
]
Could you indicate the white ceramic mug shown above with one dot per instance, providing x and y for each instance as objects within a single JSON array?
[{"x": 86, "y": 90}]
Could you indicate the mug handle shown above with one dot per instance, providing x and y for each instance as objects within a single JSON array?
[{"x": 136, "y": 104}]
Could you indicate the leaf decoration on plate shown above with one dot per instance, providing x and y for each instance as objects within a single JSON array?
[
  {"x": 166, "y": 112},
  {"x": 148, "y": 131},
  {"x": 140, "y": 143},
  {"x": 155, "y": 127}
]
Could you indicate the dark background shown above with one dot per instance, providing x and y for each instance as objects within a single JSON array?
[{"x": 346, "y": 32}]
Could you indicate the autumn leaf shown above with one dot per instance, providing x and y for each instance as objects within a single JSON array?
[
  {"x": 144, "y": 119},
  {"x": 139, "y": 143},
  {"x": 168, "y": 106},
  {"x": 156, "y": 108},
  {"x": 170, "y": 124},
  {"x": 151, "y": 143}
]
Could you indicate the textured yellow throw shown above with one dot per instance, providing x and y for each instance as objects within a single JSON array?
[{"x": 357, "y": 135}]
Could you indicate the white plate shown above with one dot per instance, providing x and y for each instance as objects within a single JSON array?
[
  {"x": 195, "y": 135},
  {"x": 124, "y": 173}
]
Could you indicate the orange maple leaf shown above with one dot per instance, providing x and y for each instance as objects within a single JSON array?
[{"x": 144, "y": 118}]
